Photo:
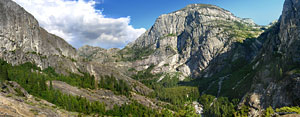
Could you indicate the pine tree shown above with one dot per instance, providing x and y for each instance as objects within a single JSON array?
[
  {"x": 3, "y": 73},
  {"x": 51, "y": 86}
]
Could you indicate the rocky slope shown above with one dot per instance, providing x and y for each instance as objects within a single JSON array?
[
  {"x": 105, "y": 96},
  {"x": 16, "y": 102},
  {"x": 23, "y": 40},
  {"x": 225, "y": 52},
  {"x": 194, "y": 41},
  {"x": 199, "y": 41},
  {"x": 277, "y": 81},
  {"x": 97, "y": 54}
]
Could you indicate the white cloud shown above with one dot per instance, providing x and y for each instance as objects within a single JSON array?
[{"x": 79, "y": 23}]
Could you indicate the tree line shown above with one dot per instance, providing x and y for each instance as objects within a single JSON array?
[{"x": 35, "y": 84}]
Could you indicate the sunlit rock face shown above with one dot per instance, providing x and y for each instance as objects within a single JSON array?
[
  {"x": 197, "y": 41},
  {"x": 23, "y": 40},
  {"x": 194, "y": 41}
]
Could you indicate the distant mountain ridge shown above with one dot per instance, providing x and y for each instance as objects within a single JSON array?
[{"x": 200, "y": 46}]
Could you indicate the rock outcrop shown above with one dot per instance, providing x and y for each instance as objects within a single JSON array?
[
  {"x": 16, "y": 102},
  {"x": 97, "y": 54},
  {"x": 23, "y": 40},
  {"x": 101, "y": 95},
  {"x": 276, "y": 82}
]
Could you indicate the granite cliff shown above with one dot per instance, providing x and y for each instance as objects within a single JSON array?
[
  {"x": 276, "y": 82},
  {"x": 191, "y": 41},
  {"x": 201, "y": 46},
  {"x": 225, "y": 54}
]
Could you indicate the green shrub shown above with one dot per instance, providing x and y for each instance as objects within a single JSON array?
[
  {"x": 295, "y": 109},
  {"x": 269, "y": 112}
]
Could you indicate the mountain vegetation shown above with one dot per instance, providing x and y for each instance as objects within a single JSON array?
[
  {"x": 33, "y": 79},
  {"x": 198, "y": 61}
]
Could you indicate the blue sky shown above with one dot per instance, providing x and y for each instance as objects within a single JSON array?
[
  {"x": 144, "y": 12},
  {"x": 115, "y": 23}
]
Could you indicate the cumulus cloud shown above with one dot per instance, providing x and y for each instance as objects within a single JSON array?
[{"x": 79, "y": 23}]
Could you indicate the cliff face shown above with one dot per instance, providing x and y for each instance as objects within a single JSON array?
[
  {"x": 202, "y": 41},
  {"x": 23, "y": 40},
  {"x": 289, "y": 31},
  {"x": 290, "y": 45},
  {"x": 198, "y": 41},
  {"x": 277, "y": 80},
  {"x": 192, "y": 41}
]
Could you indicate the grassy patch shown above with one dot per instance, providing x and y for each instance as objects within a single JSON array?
[
  {"x": 238, "y": 30},
  {"x": 295, "y": 109},
  {"x": 133, "y": 54}
]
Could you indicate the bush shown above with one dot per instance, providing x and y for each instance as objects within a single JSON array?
[
  {"x": 289, "y": 109},
  {"x": 269, "y": 112}
]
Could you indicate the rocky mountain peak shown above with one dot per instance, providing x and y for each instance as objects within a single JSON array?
[
  {"x": 189, "y": 39},
  {"x": 199, "y": 6},
  {"x": 223, "y": 54},
  {"x": 204, "y": 9}
]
